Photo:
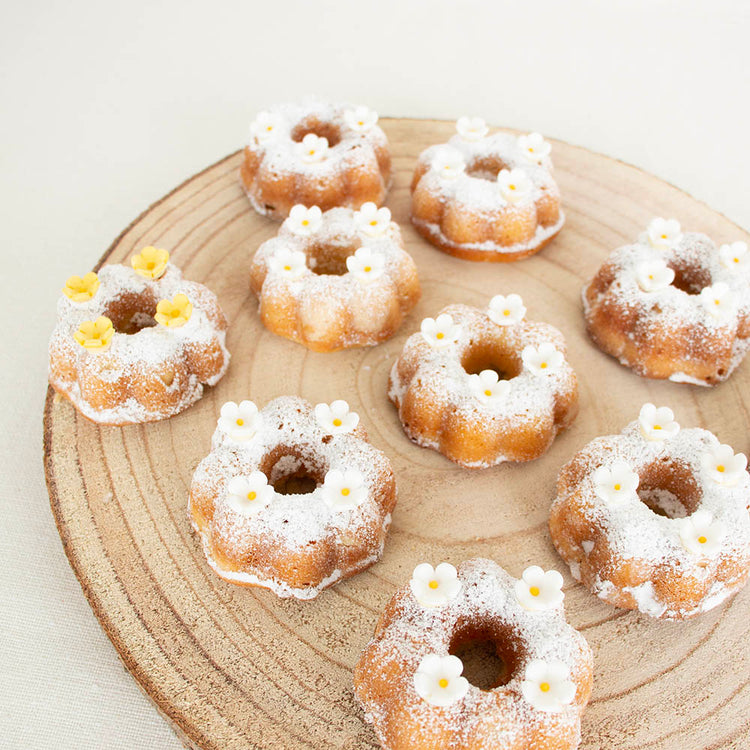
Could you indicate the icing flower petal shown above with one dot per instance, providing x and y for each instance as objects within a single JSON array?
[
  {"x": 534, "y": 147},
  {"x": 441, "y": 331},
  {"x": 336, "y": 418},
  {"x": 265, "y": 126},
  {"x": 547, "y": 685},
  {"x": 366, "y": 265},
  {"x": 657, "y": 424},
  {"x": 663, "y": 234},
  {"x": 79, "y": 289},
  {"x": 542, "y": 360},
  {"x": 343, "y": 490},
  {"x": 435, "y": 587},
  {"x": 291, "y": 264},
  {"x": 249, "y": 495},
  {"x": 312, "y": 148},
  {"x": 718, "y": 301},
  {"x": 514, "y": 185},
  {"x": 538, "y": 589},
  {"x": 95, "y": 335},
  {"x": 361, "y": 118},
  {"x": 724, "y": 466},
  {"x": 654, "y": 275},
  {"x": 174, "y": 313},
  {"x": 304, "y": 221},
  {"x": 701, "y": 534},
  {"x": 506, "y": 311},
  {"x": 487, "y": 387},
  {"x": 438, "y": 680},
  {"x": 735, "y": 256},
  {"x": 151, "y": 262},
  {"x": 240, "y": 422},
  {"x": 371, "y": 220},
  {"x": 471, "y": 128},
  {"x": 449, "y": 163},
  {"x": 615, "y": 483}
]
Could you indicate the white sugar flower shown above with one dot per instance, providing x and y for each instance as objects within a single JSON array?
[
  {"x": 538, "y": 589},
  {"x": 371, "y": 220},
  {"x": 366, "y": 265},
  {"x": 724, "y": 466},
  {"x": 438, "y": 680},
  {"x": 506, "y": 311},
  {"x": 543, "y": 359},
  {"x": 615, "y": 483},
  {"x": 663, "y": 233},
  {"x": 449, "y": 162},
  {"x": 471, "y": 128},
  {"x": 248, "y": 495},
  {"x": 487, "y": 387},
  {"x": 289, "y": 263},
  {"x": 240, "y": 421},
  {"x": 547, "y": 685},
  {"x": 534, "y": 147},
  {"x": 361, "y": 118},
  {"x": 657, "y": 424},
  {"x": 343, "y": 490},
  {"x": 265, "y": 126},
  {"x": 312, "y": 148},
  {"x": 304, "y": 221},
  {"x": 701, "y": 534},
  {"x": 734, "y": 255},
  {"x": 434, "y": 587},
  {"x": 336, "y": 417},
  {"x": 718, "y": 301},
  {"x": 654, "y": 275},
  {"x": 441, "y": 331},
  {"x": 514, "y": 185}
]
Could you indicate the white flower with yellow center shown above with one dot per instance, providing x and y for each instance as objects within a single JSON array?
[
  {"x": 289, "y": 263},
  {"x": 249, "y": 495},
  {"x": 434, "y": 587},
  {"x": 547, "y": 685},
  {"x": 304, "y": 221},
  {"x": 241, "y": 421},
  {"x": 657, "y": 423},
  {"x": 487, "y": 387},
  {"x": 538, "y": 589},
  {"x": 471, "y": 128},
  {"x": 663, "y": 234},
  {"x": 734, "y": 256},
  {"x": 441, "y": 331},
  {"x": 506, "y": 311},
  {"x": 701, "y": 534},
  {"x": 534, "y": 147},
  {"x": 718, "y": 301},
  {"x": 449, "y": 163},
  {"x": 615, "y": 483},
  {"x": 514, "y": 185},
  {"x": 543, "y": 359},
  {"x": 366, "y": 265},
  {"x": 438, "y": 680},
  {"x": 654, "y": 275},
  {"x": 336, "y": 418},
  {"x": 371, "y": 220},
  {"x": 343, "y": 490},
  {"x": 312, "y": 148},
  {"x": 361, "y": 118},
  {"x": 265, "y": 126},
  {"x": 724, "y": 466}
]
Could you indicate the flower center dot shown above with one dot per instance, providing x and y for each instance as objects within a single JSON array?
[
  {"x": 720, "y": 468},
  {"x": 337, "y": 422},
  {"x": 506, "y": 313},
  {"x": 543, "y": 366},
  {"x": 702, "y": 539},
  {"x": 544, "y": 687},
  {"x": 488, "y": 392},
  {"x": 345, "y": 492},
  {"x": 618, "y": 486},
  {"x": 240, "y": 422},
  {"x": 511, "y": 187},
  {"x": 251, "y": 495},
  {"x": 534, "y": 591},
  {"x": 368, "y": 269},
  {"x": 440, "y": 335},
  {"x": 433, "y": 584},
  {"x": 657, "y": 426},
  {"x": 287, "y": 268},
  {"x": 305, "y": 222},
  {"x": 443, "y": 682},
  {"x": 374, "y": 223}
]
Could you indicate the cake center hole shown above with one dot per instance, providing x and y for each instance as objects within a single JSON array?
[
  {"x": 489, "y": 655},
  {"x": 131, "y": 313},
  {"x": 330, "y": 259},
  {"x": 486, "y": 168},
  {"x": 690, "y": 279},
  {"x": 669, "y": 489},
  {"x": 487, "y": 356},
  {"x": 291, "y": 473},
  {"x": 313, "y": 125}
]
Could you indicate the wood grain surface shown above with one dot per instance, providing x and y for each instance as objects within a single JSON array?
[{"x": 239, "y": 668}]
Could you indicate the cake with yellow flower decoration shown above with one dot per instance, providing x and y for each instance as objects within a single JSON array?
[
  {"x": 535, "y": 677},
  {"x": 136, "y": 344},
  {"x": 486, "y": 197},
  {"x": 316, "y": 154}
]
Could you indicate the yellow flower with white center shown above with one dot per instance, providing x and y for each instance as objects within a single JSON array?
[
  {"x": 449, "y": 163},
  {"x": 361, "y": 118},
  {"x": 547, "y": 685},
  {"x": 701, "y": 534},
  {"x": 544, "y": 359},
  {"x": 615, "y": 483},
  {"x": 371, "y": 220},
  {"x": 81, "y": 289},
  {"x": 534, "y": 147},
  {"x": 441, "y": 331},
  {"x": 291, "y": 264},
  {"x": 336, "y": 418},
  {"x": 265, "y": 126},
  {"x": 471, "y": 128},
  {"x": 240, "y": 422},
  {"x": 654, "y": 275},
  {"x": 435, "y": 587},
  {"x": 312, "y": 148},
  {"x": 538, "y": 589},
  {"x": 174, "y": 313},
  {"x": 151, "y": 262},
  {"x": 487, "y": 387},
  {"x": 95, "y": 335},
  {"x": 366, "y": 265},
  {"x": 724, "y": 466},
  {"x": 663, "y": 234},
  {"x": 657, "y": 423},
  {"x": 343, "y": 490},
  {"x": 506, "y": 311},
  {"x": 735, "y": 256},
  {"x": 438, "y": 680},
  {"x": 719, "y": 301},
  {"x": 304, "y": 221},
  {"x": 514, "y": 185},
  {"x": 249, "y": 495}
]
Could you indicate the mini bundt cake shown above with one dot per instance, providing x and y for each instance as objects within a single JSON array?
[
  {"x": 335, "y": 280},
  {"x": 317, "y": 154},
  {"x": 656, "y": 518},
  {"x": 484, "y": 387},
  {"x": 486, "y": 197},
  {"x": 409, "y": 678},
  {"x": 291, "y": 498},
  {"x": 136, "y": 344},
  {"x": 672, "y": 305}
]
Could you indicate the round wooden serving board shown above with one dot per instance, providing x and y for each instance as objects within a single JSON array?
[{"x": 240, "y": 668}]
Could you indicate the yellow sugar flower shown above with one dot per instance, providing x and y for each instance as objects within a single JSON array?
[
  {"x": 175, "y": 313},
  {"x": 95, "y": 335},
  {"x": 80, "y": 289},
  {"x": 151, "y": 262}
]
